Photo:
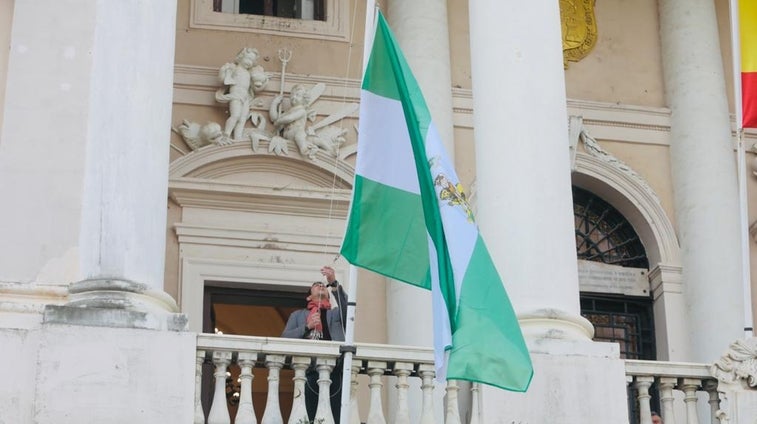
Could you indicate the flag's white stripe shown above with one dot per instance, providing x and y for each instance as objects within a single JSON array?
[
  {"x": 386, "y": 155},
  {"x": 460, "y": 233}
]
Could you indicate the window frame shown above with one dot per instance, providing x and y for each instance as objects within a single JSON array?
[{"x": 334, "y": 27}]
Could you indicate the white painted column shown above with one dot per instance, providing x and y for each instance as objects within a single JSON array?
[
  {"x": 525, "y": 212},
  {"x": 525, "y": 206},
  {"x": 421, "y": 29},
  {"x": 703, "y": 165},
  {"x": 84, "y": 153}
]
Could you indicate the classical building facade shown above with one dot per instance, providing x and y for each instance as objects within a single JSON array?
[{"x": 174, "y": 174}]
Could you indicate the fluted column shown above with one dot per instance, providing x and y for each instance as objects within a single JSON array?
[
  {"x": 84, "y": 150},
  {"x": 525, "y": 207},
  {"x": 704, "y": 175}
]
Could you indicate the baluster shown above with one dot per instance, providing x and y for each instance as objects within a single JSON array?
[
  {"x": 427, "y": 373},
  {"x": 666, "y": 396},
  {"x": 272, "y": 414},
  {"x": 453, "y": 409},
  {"x": 245, "y": 410},
  {"x": 376, "y": 411},
  {"x": 299, "y": 411},
  {"x": 323, "y": 412},
  {"x": 354, "y": 413},
  {"x": 475, "y": 415},
  {"x": 402, "y": 370},
  {"x": 219, "y": 411},
  {"x": 689, "y": 387},
  {"x": 711, "y": 386},
  {"x": 199, "y": 414},
  {"x": 642, "y": 384}
]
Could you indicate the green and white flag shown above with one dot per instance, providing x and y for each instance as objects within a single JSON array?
[{"x": 410, "y": 220}]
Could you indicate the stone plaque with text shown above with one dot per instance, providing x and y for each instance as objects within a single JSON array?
[{"x": 603, "y": 278}]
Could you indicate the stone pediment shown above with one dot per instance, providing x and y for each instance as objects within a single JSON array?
[{"x": 232, "y": 177}]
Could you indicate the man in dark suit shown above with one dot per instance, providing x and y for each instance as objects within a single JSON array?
[{"x": 308, "y": 323}]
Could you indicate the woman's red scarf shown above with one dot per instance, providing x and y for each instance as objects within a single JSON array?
[{"x": 315, "y": 308}]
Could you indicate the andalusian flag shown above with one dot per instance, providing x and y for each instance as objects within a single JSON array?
[
  {"x": 410, "y": 220},
  {"x": 748, "y": 41}
]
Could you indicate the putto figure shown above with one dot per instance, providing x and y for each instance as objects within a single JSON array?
[
  {"x": 291, "y": 117},
  {"x": 242, "y": 80}
]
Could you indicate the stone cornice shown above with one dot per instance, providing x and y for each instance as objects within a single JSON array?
[
  {"x": 196, "y": 85},
  {"x": 313, "y": 202}
]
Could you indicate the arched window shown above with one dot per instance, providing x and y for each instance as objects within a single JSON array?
[{"x": 604, "y": 235}]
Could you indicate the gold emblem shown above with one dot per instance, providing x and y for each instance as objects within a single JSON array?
[
  {"x": 453, "y": 194},
  {"x": 579, "y": 29}
]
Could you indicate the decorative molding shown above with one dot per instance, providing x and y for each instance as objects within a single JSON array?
[
  {"x": 334, "y": 28},
  {"x": 259, "y": 237},
  {"x": 245, "y": 198},
  {"x": 635, "y": 201},
  {"x": 738, "y": 364},
  {"x": 579, "y": 130},
  {"x": 30, "y": 299},
  {"x": 211, "y": 161},
  {"x": 196, "y": 85},
  {"x": 666, "y": 279}
]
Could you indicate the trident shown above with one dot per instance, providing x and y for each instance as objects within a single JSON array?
[{"x": 284, "y": 56}]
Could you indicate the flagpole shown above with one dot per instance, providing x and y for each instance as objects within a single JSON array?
[
  {"x": 741, "y": 167},
  {"x": 348, "y": 349},
  {"x": 349, "y": 334}
]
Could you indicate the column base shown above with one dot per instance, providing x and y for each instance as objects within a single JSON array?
[
  {"x": 554, "y": 324},
  {"x": 570, "y": 387},
  {"x": 117, "y": 303},
  {"x": 111, "y": 293},
  {"x": 114, "y": 318}
]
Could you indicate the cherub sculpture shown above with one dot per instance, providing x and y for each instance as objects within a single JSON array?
[
  {"x": 242, "y": 80},
  {"x": 290, "y": 119}
]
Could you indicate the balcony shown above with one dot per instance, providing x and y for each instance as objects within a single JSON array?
[{"x": 226, "y": 367}]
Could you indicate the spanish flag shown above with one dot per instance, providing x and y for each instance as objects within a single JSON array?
[{"x": 748, "y": 41}]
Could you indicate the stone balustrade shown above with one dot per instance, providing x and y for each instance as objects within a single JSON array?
[
  {"x": 227, "y": 366},
  {"x": 229, "y": 399},
  {"x": 687, "y": 392}
]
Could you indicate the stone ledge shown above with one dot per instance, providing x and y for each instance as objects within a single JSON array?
[{"x": 118, "y": 318}]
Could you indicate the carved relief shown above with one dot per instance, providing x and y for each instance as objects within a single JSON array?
[
  {"x": 739, "y": 364},
  {"x": 292, "y": 118},
  {"x": 578, "y": 132},
  {"x": 579, "y": 29}
]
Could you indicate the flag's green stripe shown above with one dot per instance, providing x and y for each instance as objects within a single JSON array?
[
  {"x": 488, "y": 346},
  {"x": 393, "y": 213},
  {"x": 418, "y": 119}
]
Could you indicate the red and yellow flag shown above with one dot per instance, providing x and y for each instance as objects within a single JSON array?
[{"x": 748, "y": 40}]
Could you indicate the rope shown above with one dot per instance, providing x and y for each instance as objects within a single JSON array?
[{"x": 335, "y": 163}]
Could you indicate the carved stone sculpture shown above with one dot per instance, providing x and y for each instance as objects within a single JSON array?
[
  {"x": 739, "y": 364},
  {"x": 241, "y": 80},
  {"x": 293, "y": 117},
  {"x": 197, "y": 136},
  {"x": 290, "y": 119}
]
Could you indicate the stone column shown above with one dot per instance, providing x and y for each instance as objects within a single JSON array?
[
  {"x": 525, "y": 206},
  {"x": 421, "y": 30},
  {"x": 84, "y": 154},
  {"x": 704, "y": 175},
  {"x": 83, "y": 181},
  {"x": 525, "y": 212}
]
